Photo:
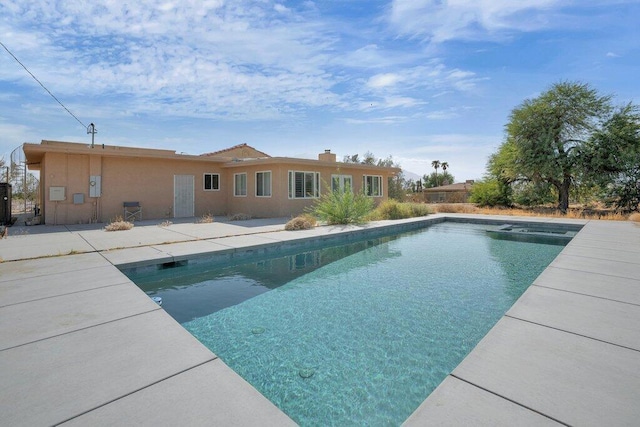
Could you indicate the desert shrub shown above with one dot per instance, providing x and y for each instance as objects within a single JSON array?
[
  {"x": 455, "y": 208},
  {"x": 119, "y": 224},
  {"x": 301, "y": 222},
  {"x": 239, "y": 217},
  {"x": 205, "y": 219},
  {"x": 343, "y": 207},
  {"x": 419, "y": 209},
  {"x": 391, "y": 209},
  {"x": 310, "y": 218}
]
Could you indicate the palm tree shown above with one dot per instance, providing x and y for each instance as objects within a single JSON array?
[
  {"x": 444, "y": 166},
  {"x": 436, "y": 165}
]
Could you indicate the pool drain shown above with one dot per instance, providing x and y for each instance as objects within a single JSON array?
[
  {"x": 306, "y": 372},
  {"x": 257, "y": 331}
]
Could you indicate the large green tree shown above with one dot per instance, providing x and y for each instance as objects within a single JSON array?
[
  {"x": 611, "y": 158},
  {"x": 434, "y": 180},
  {"x": 546, "y": 136},
  {"x": 501, "y": 175}
]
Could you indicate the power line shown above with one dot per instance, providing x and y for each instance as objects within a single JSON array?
[{"x": 40, "y": 83}]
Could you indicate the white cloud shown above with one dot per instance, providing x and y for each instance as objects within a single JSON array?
[
  {"x": 412, "y": 86},
  {"x": 13, "y": 136},
  {"x": 400, "y": 101},
  {"x": 440, "y": 21},
  {"x": 383, "y": 80},
  {"x": 448, "y": 140},
  {"x": 234, "y": 60},
  {"x": 386, "y": 120},
  {"x": 367, "y": 57},
  {"x": 282, "y": 75},
  {"x": 442, "y": 114},
  {"x": 281, "y": 8},
  {"x": 242, "y": 60}
]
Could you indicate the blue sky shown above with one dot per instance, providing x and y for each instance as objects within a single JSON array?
[{"x": 417, "y": 80}]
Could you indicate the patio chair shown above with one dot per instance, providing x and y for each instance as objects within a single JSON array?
[{"x": 132, "y": 211}]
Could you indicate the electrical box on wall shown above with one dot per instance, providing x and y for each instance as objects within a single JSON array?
[
  {"x": 95, "y": 187},
  {"x": 56, "y": 194}
]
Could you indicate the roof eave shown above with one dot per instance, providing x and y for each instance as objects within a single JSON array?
[
  {"x": 35, "y": 152},
  {"x": 310, "y": 162}
]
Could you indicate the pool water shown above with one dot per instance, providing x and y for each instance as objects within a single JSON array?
[{"x": 360, "y": 334}]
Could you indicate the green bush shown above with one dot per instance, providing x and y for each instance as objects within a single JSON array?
[
  {"x": 343, "y": 207},
  {"x": 391, "y": 209},
  {"x": 489, "y": 192},
  {"x": 419, "y": 209}
]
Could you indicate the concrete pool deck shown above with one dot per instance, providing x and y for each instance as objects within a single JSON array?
[{"x": 81, "y": 344}]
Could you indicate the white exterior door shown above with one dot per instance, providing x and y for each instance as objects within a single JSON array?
[{"x": 183, "y": 196}]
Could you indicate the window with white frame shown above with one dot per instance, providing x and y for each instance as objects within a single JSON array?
[
  {"x": 341, "y": 183},
  {"x": 240, "y": 184},
  {"x": 304, "y": 185},
  {"x": 263, "y": 184},
  {"x": 372, "y": 185},
  {"x": 211, "y": 181}
]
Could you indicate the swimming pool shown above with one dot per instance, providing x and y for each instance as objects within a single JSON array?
[{"x": 356, "y": 334}]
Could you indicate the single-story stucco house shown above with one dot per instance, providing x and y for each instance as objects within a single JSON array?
[
  {"x": 80, "y": 183},
  {"x": 452, "y": 193}
]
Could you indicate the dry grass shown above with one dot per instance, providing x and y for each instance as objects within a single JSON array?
[
  {"x": 573, "y": 213},
  {"x": 635, "y": 217},
  {"x": 455, "y": 208},
  {"x": 205, "y": 219},
  {"x": 302, "y": 222},
  {"x": 391, "y": 209},
  {"x": 165, "y": 223},
  {"x": 119, "y": 224},
  {"x": 239, "y": 217}
]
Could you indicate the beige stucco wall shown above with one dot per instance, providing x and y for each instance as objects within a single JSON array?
[
  {"x": 279, "y": 204},
  {"x": 147, "y": 181},
  {"x": 151, "y": 182},
  {"x": 68, "y": 172},
  {"x": 147, "y": 177}
]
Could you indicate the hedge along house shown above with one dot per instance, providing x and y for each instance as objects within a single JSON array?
[{"x": 81, "y": 184}]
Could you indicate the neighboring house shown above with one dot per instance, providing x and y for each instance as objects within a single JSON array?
[
  {"x": 453, "y": 193},
  {"x": 81, "y": 184}
]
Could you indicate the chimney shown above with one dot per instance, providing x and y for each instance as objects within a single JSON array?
[{"x": 327, "y": 156}]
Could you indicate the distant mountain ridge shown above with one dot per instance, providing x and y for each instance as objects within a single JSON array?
[{"x": 410, "y": 175}]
